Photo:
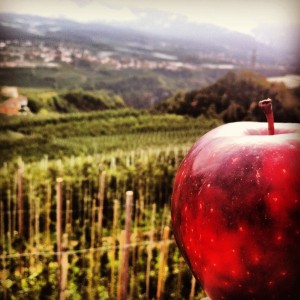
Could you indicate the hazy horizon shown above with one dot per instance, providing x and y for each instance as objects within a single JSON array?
[{"x": 243, "y": 16}]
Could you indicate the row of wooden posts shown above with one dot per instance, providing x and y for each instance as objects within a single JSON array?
[
  {"x": 124, "y": 243},
  {"x": 124, "y": 246}
]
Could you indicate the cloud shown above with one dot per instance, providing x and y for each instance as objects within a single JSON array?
[
  {"x": 82, "y": 3},
  {"x": 241, "y": 15}
]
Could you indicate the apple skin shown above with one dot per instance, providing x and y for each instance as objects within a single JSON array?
[{"x": 236, "y": 211}]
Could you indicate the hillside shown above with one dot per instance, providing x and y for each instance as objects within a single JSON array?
[
  {"x": 49, "y": 100},
  {"x": 234, "y": 97}
]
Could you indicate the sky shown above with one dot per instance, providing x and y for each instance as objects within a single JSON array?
[{"x": 239, "y": 15}]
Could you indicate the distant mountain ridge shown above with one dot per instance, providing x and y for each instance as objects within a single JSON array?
[
  {"x": 204, "y": 36},
  {"x": 158, "y": 31}
]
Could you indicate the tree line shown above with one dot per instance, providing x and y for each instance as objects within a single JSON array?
[{"x": 235, "y": 97}]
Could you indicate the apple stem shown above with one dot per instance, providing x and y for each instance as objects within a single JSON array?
[{"x": 266, "y": 106}]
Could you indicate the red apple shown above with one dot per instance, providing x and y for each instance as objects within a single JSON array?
[{"x": 236, "y": 211}]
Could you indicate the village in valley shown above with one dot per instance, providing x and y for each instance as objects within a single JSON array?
[
  {"x": 43, "y": 54},
  {"x": 28, "y": 54}
]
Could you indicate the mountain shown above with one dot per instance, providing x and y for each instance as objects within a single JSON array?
[
  {"x": 27, "y": 26},
  {"x": 284, "y": 40},
  {"x": 205, "y": 37},
  {"x": 152, "y": 31}
]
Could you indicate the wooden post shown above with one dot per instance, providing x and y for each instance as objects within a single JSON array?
[
  {"x": 64, "y": 268},
  {"x": 121, "y": 262},
  {"x": 135, "y": 250},
  {"x": 37, "y": 221},
  {"x": 14, "y": 201},
  {"x": 8, "y": 212},
  {"x": 101, "y": 189},
  {"x": 193, "y": 286},
  {"x": 112, "y": 252},
  {"x": 20, "y": 200},
  {"x": 91, "y": 253},
  {"x": 93, "y": 224},
  {"x": 149, "y": 251},
  {"x": 59, "y": 229},
  {"x": 129, "y": 198},
  {"x": 48, "y": 211},
  {"x": 84, "y": 218},
  {"x": 4, "y": 275},
  {"x": 100, "y": 198},
  {"x": 2, "y": 237},
  {"x": 30, "y": 212},
  {"x": 162, "y": 264},
  {"x": 163, "y": 221},
  {"x": 2, "y": 245},
  {"x": 70, "y": 212},
  {"x": 141, "y": 211}
]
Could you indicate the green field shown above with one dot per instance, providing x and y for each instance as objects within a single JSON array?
[{"x": 59, "y": 135}]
